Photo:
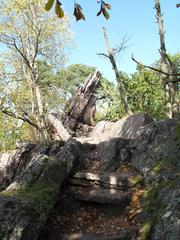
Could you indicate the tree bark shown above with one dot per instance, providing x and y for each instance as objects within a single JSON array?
[
  {"x": 80, "y": 108},
  {"x": 170, "y": 89},
  {"x": 116, "y": 71},
  {"x": 60, "y": 130}
]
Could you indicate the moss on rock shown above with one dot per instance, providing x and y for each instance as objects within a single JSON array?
[
  {"x": 39, "y": 195},
  {"x": 137, "y": 180}
]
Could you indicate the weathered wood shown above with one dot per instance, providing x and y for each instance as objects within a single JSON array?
[
  {"x": 171, "y": 87},
  {"x": 60, "y": 130},
  {"x": 81, "y": 107},
  {"x": 111, "y": 57}
]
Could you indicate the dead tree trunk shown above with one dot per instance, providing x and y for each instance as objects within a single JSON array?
[
  {"x": 80, "y": 109},
  {"x": 171, "y": 88},
  {"x": 61, "y": 132},
  {"x": 118, "y": 77}
]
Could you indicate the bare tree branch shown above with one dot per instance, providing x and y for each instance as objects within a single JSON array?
[
  {"x": 18, "y": 32},
  {"x": 22, "y": 55},
  {"x": 37, "y": 44},
  {"x": 123, "y": 45},
  {"x": 111, "y": 57},
  {"x": 103, "y": 55},
  {"x": 17, "y": 116},
  {"x": 158, "y": 70}
]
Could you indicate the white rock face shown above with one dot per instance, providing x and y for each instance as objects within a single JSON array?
[{"x": 127, "y": 128}]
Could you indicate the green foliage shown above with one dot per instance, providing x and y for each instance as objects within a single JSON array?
[
  {"x": 12, "y": 130},
  {"x": 30, "y": 39},
  {"x": 109, "y": 106},
  {"x": 144, "y": 92},
  {"x": 146, "y": 231},
  {"x": 137, "y": 180},
  {"x": 74, "y": 75},
  {"x": 9, "y": 133},
  {"x": 176, "y": 61}
]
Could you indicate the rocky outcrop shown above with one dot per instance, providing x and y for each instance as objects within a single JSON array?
[
  {"x": 32, "y": 191},
  {"x": 153, "y": 148},
  {"x": 32, "y": 183},
  {"x": 126, "y": 128}
]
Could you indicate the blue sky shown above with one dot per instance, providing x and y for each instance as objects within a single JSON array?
[{"x": 136, "y": 20}]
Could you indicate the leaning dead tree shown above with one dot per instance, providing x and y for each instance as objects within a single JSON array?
[
  {"x": 111, "y": 56},
  {"x": 79, "y": 111}
]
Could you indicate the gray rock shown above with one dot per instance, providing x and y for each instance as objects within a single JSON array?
[
  {"x": 113, "y": 153},
  {"x": 108, "y": 180},
  {"x": 101, "y": 195},
  {"x": 167, "y": 225},
  {"x": 10, "y": 163},
  {"x": 29, "y": 199},
  {"x": 126, "y": 128},
  {"x": 155, "y": 143},
  {"x": 123, "y": 235},
  {"x": 32, "y": 175},
  {"x": 156, "y": 153}
]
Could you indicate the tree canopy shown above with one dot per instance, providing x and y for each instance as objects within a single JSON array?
[
  {"x": 30, "y": 36},
  {"x": 34, "y": 81}
]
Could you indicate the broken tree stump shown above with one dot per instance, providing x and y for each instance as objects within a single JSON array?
[
  {"x": 77, "y": 119},
  {"x": 81, "y": 108}
]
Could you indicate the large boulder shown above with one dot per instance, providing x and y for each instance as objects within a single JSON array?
[
  {"x": 156, "y": 142},
  {"x": 156, "y": 153},
  {"x": 126, "y": 128},
  {"x": 113, "y": 140},
  {"x": 10, "y": 162},
  {"x": 113, "y": 153},
  {"x": 34, "y": 189}
]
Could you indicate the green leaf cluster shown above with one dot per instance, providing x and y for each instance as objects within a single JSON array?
[{"x": 144, "y": 92}]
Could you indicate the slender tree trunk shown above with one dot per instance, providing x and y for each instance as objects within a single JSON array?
[
  {"x": 170, "y": 89},
  {"x": 40, "y": 106},
  {"x": 37, "y": 101},
  {"x": 29, "y": 82},
  {"x": 175, "y": 93},
  {"x": 116, "y": 71}
]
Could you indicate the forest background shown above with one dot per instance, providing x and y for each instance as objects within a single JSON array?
[{"x": 56, "y": 49}]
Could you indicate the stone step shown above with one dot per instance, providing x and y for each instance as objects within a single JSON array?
[
  {"x": 98, "y": 194},
  {"x": 109, "y": 180},
  {"x": 126, "y": 234}
]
